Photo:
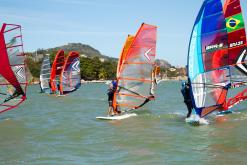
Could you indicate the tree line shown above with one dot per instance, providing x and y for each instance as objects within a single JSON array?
[
  {"x": 91, "y": 68},
  {"x": 95, "y": 69}
]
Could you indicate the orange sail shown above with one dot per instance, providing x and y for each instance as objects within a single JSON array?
[
  {"x": 135, "y": 79},
  {"x": 126, "y": 47},
  {"x": 56, "y": 70}
]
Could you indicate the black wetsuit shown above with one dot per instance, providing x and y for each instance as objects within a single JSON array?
[
  {"x": 110, "y": 94},
  {"x": 187, "y": 99}
]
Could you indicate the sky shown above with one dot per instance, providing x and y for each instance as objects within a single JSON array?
[{"x": 104, "y": 24}]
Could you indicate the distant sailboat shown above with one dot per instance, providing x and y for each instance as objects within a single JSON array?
[
  {"x": 45, "y": 74},
  {"x": 70, "y": 77},
  {"x": 56, "y": 71},
  {"x": 13, "y": 77}
]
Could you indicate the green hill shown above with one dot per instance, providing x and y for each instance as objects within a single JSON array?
[{"x": 94, "y": 65}]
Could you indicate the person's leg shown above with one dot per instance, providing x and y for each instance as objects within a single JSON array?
[
  {"x": 117, "y": 112},
  {"x": 109, "y": 113},
  {"x": 189, "y": 109}
]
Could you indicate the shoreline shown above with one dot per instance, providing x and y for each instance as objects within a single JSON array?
[{"x": 36, "y": 82}]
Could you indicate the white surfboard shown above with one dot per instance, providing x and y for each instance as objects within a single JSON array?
[
  {"x": 195, "y": 120},
  {"x": 117, "y": 117}
]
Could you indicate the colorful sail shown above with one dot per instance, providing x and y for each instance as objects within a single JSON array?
[
  {"x": 136, "y": 65},
  {"x": 70, "y": 77},
  {"x": 237, "y": 50},
  {"x": 45, "y": 74},
  {"x": 208, "y": 69},
  {"x": 13, "y": 78},
  {"x": 56, "y": 71}
]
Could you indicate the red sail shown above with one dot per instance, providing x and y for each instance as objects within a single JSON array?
[
  {"x": 13, "y": 77},
  {"x": 134, "y": 78},
  {"x": 56, "y": 70},
  {"x": 237, "y": 49},
  {"x": 235, "y": 29}
]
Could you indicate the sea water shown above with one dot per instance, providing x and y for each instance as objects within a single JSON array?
[{"x": 63, "y": 130}]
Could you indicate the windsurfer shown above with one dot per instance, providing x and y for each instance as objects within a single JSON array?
[
  {"x": 154, "y": 82},
  {"x": 187, "y": 99},
  {"x": 110, "y": 93}
]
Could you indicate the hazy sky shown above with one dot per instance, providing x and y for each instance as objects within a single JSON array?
[{"x": 104, "y": 24}]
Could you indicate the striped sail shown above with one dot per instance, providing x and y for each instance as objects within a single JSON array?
[
  {"x": 70, "y": 77},
  {"x": 237, "y": 52},
  {"x": 13, "y": 77},
  {"x": 208, "y": 58},
  {"x": 136, "y": 65},
  {"x": 56, "y": 70},
  {"x": 45, "y": 74}
]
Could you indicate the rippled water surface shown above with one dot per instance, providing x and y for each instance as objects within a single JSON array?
[{"x": 63, "y": 130}]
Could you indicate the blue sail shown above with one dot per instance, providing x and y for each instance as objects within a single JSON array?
[{"x": 208, "y": 44}]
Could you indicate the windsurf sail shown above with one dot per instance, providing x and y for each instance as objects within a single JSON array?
[
  {"x": 13, "y": 77},
  {"x": 45, "y": 74},
  {"x": 125, "y": 49},
  {"x": 208, "y": 68},
  {"x": 56, "y": 71},
  {"x": 237, "y": 51},
  {"x": 135, "y": 68},
  {"x": 70, "y": 77}
]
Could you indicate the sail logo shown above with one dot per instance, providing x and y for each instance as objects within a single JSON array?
[
  {"x": 64, "y": 77},
  {"x": 75, "y": 66},
  {"x": 240, "y": 62},
  {"x": 214, "y": 47},
  {"x": 233, "y": 23},
  {"x": 20, "y": 72},
  {"x": 147, "y": 54},
  {"x": 239, "y": 43}
]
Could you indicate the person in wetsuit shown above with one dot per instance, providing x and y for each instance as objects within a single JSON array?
[
  {"x": 187, "y": 99},
  {"x": 110, "y": 93}
]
